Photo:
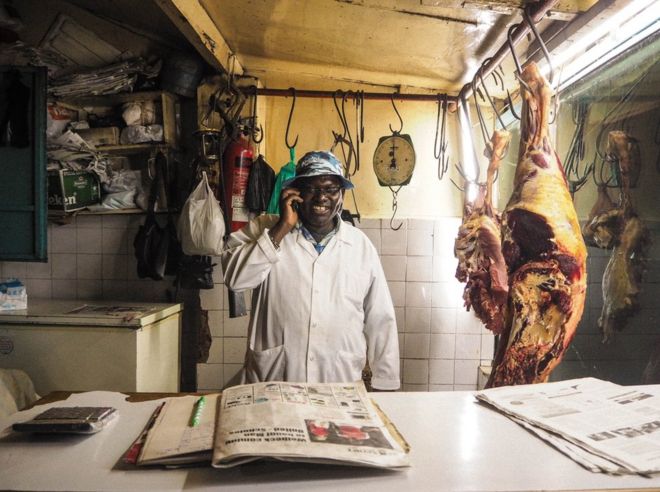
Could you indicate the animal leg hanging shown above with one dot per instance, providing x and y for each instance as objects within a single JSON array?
[{"x": 543, "y": 249}]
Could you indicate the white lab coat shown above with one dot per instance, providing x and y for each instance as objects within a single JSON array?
[{"x": 315, "y": 318}]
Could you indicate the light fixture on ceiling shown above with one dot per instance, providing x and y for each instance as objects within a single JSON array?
[{"x": 636, "y": 21}]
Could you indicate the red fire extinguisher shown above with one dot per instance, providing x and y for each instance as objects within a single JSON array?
[{"x": 237, "y": 161}]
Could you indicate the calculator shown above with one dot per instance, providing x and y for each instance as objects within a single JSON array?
[{"x": 71, "y": 420}]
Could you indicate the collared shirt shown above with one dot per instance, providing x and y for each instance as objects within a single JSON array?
[
  {"x": 319, "y": 246},
  {"x": 315, "y": 317}
]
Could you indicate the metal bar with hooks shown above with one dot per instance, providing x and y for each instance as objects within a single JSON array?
[
  {"x": 384, "y": 96},
  {"x": 536, "y": 13}
]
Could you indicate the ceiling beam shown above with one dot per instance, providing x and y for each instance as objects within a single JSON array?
[{"x": 192, "y": 19}]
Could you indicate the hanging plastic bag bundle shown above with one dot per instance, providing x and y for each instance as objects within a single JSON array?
[
  {"x": 287, "y": 171},
  {"x": 201, "y": 223}
]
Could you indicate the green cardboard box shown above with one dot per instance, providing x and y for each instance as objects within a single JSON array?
[{"x": 72, "y": 190}]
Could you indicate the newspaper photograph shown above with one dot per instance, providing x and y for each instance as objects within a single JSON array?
[
  {"x": 323, "y": 422},
  {"x": 618, "y": 423}
]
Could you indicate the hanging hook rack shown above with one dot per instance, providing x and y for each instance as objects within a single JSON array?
[
  {"x": 396, "y": 132},
  {"x": 538, "y": 10},
  {"x": 288, "y": 123}
]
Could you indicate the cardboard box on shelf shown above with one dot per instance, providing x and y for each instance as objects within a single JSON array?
[
  {"x": 100, "y": 137},
  {"x": 72, "y": 190}
]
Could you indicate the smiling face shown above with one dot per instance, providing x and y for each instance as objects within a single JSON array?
[{"x": 323, "y": 197}]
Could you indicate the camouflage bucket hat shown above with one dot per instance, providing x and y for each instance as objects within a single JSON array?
[{"x": 318, "y": 163}]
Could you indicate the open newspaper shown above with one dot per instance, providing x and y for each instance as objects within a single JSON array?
[
  {"x": 323, "y": 422},
  {"x": 331, "y": 422},
  {"x": 601, "y": 425}
]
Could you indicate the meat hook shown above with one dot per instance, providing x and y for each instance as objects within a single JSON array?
[
  {"x": 539, "y": 39},
  {"x": 288, "y": 123},
  {"x": 395, "y": 206},
  {"x": 257, "y": 135},
  {"x": 440, "y": 148},
  {"x": 490, "y": 100},
  {"x": 347, "y": 132},
  {"x": 400, "y": 119},
  {"x": 482, "y": 124},
  {"x": 546, "y": 54}
]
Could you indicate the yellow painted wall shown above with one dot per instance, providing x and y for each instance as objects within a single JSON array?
[{"x": 313, "y": 121}]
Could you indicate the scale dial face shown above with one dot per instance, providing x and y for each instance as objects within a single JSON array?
[{"x": 394, "y": 160}]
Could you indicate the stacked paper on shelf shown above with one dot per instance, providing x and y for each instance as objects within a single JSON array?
[{"x": 601, "y": 425}]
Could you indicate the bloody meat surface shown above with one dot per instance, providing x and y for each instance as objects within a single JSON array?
[{"x": 544, "y": 252}]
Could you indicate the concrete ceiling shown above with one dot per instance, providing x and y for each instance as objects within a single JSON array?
[
  {"x": 428, "y": 44},
  {"x": 435, "y": 44}
]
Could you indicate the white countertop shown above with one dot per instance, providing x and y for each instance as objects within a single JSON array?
[
  {"x": 90, "y": 313},
  {"x": 457, "y": 445}
]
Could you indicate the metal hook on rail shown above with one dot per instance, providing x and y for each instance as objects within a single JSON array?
[
  {"x": 395, "y": 206},
  {"x": 546, "y": 54},
  {"x": 440, "y": 148},
  {"x": 530, "y": 22},
  {"x": 482, "y": 123},
  {"x": 288, "y": 123},
  {"x": 400, "y": 119},
  {"x": 509, "y": 39},
  {"x": 347, "y": 132},
  {"x": 490, "y": 99},
  {"x": 257, "y": 135}
]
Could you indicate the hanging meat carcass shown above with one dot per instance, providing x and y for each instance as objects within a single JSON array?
[
  {"x": 624, "y": 270},
  {"x": 601, "y": 226},
  {"x": 544, "y": 252},
  {"x": 478, "y": 249}
]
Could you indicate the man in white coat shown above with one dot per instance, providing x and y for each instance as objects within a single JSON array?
[{"x": 321, "y": 306}]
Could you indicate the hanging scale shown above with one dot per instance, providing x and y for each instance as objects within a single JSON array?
[{"x": 394, "y": 162}]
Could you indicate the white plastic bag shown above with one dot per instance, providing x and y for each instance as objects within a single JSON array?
[{"x": 201, "y": 226}]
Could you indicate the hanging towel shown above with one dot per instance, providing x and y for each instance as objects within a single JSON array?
[{"x": 288, "y": 171}]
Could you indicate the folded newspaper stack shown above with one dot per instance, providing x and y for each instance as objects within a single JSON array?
[{"x": 601, "y": 425}]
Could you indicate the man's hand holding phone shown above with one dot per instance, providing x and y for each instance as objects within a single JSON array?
[{"x": 289, "y": 201}]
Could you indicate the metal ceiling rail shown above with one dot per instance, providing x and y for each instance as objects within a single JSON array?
[
  {"x": 537, "y": 12},
  {"x": 385, "y": 96}
]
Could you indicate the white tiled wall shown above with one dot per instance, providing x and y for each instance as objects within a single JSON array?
[
  {"x": 90, "y": 258},
  {"x": 441, "y": 345},
  {"x": 625, "y": 357}
]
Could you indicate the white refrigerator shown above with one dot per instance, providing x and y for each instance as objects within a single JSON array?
[{"x": 94, "y": 345}]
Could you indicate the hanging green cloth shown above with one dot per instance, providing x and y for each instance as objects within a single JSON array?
[{"x": 287, "y": 171}]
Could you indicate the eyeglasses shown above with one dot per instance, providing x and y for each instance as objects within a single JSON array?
[{"x": 329, "y": 191}]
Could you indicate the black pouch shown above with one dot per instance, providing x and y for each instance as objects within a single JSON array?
[
  {"x": 195, "y": 272},
  {"x": 154, "y": 244}
]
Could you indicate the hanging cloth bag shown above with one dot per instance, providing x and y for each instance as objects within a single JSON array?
[
  {"x": 288, "y": 171},
  {"x": 260, "y": 186},
  {"x": 201, "y": 223},
  {"x": 155, "y": 246}
]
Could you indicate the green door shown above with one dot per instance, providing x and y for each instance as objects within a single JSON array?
[{"x": 23, "y": 163}]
